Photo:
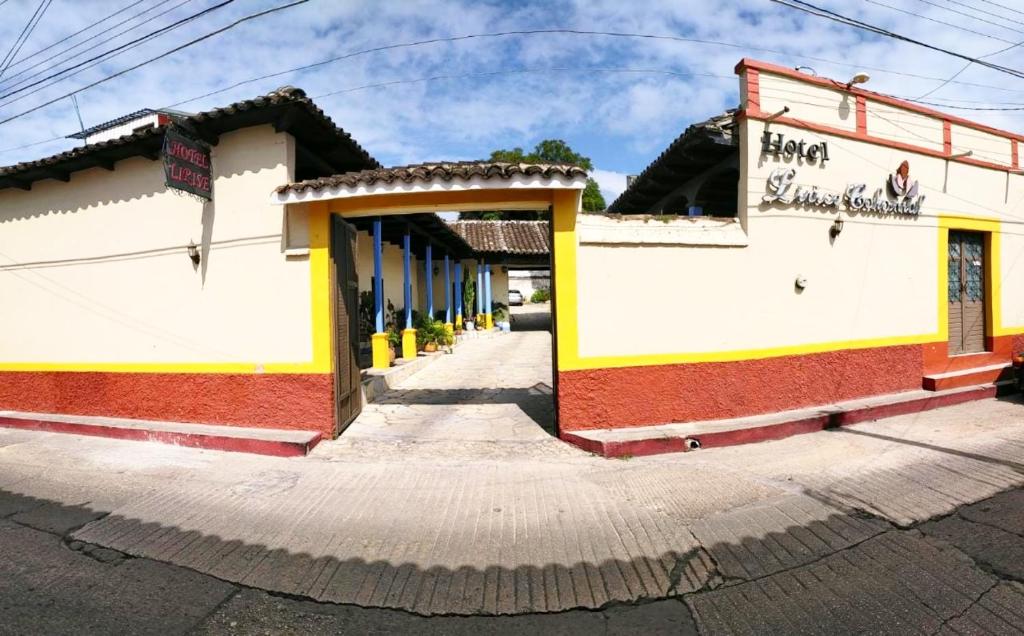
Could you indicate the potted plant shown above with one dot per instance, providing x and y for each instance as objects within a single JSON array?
[{"x": 394, "y": 342}]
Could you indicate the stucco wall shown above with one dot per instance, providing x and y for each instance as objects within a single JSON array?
[
  {"x": 877, "y": 280},
  {"x": 96, "y": 270}
]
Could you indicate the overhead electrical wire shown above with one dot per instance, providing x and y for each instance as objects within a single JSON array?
[
  {"x": 1001, "y": 6},
  {"x": 75, "y": 34},
  {"x": 19, "y": 42},
  {"x": 820, "y": 12},
  {"x": 121, "y": 48},
  {"x": 124, "y": 71},
  {"x": 974, "y": 17},
  {"x": 530, "y": 32},
  {"x": 949, "y": 24},
  {"x": 8, "y": 83}
]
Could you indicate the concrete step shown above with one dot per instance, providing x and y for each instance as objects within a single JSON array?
[
  {"x": 967, "y": 377},
  {"x": 673, "y": 438},
  {"x": 260, "y": 441}
]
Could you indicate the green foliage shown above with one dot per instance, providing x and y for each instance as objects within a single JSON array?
[
  {"x": 547, "y": 151},
  {"x": 541, "y": 295},
  {"x": 366, "y": 319},
  {"x": 593, "y": 200},
  {"x": 468, "y": 296},
  {"x": 431, "y": 331}
]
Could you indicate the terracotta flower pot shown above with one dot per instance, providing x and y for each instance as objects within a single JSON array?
[{"x": 430, "y": 347}]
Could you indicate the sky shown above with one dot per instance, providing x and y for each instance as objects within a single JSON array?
[{"x": 617, "y": 99}]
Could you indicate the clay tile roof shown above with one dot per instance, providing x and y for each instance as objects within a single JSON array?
[
  {"x": 268, "y": 108},
  {"x": 699, "y": 147},
  {"x": 437, "y": 171},
  {"x": 505, "y": 237}
]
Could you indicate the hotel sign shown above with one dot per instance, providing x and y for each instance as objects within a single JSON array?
[
  {"x": 187, "y": 165},
  {"x": 778, "y": 145},
  {"x": 904, "y": 200}
]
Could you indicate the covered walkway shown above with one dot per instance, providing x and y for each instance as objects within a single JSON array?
[{"x": 495, "y": 389}]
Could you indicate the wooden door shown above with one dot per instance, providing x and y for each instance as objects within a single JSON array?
[
  {"x": 966, "y": 292},
  {"x": 348, "y": 401}
]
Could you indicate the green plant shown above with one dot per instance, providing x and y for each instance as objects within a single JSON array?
[
  {"x": 541, "y": 295},
  {"x": 500, "y": 312},
  {"x": 432, "y": 331},
  {"x": 468, "y": 296},
  {"x": 366, "y": 326},
  {"x": 394, "y": 339}
]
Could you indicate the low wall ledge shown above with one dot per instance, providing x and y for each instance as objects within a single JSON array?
[{"x": 599, "y": 229}]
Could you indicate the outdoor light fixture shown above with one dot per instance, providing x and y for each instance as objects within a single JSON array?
[
  {"x": 859, "y": 78},
  {"x": 785, "y": 109},
  {"x": 836, "y": 229},
  {"x": 806, "y": 68},
  {"x": 193, "y": 252},
  {"x": 437, "y": 270},
  {"x": 961, "y": 155}
]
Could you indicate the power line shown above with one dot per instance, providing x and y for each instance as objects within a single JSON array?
[
  {"x": 949, "y": 24},
  {"x": 820, "y": 12},
  {"x": 121, "y": 48},
  {"x": 974, "y": 17},
  {"x": 1003, "y": 6},
  {"x": 980, "y": 10},
  {"x": 10, "y": 80},
  {"x": 24, "y": 35},
  {"x": 80, "y": 31},
  {"x": 965, "y": 67},
  {"x": 207, "y": 36}
]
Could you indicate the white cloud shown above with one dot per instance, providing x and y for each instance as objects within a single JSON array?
[
  {"x": 612, "y": 183},
  {"x": 623, "y": 119}
]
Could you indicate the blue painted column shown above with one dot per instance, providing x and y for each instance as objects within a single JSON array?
[
  {"x": 407, "y": 270},
  {"x": 380, "y": 355},
  {"x": 447, "y": 290},
  {"x": 458, "y": 294},
  {"x": 430, "y": 281},
  {"x": 408, "y": 334},
  {"x": 488, "y": 305},
  {"x": 479, "y": 289},
  {"x": 378, "y": 277}
]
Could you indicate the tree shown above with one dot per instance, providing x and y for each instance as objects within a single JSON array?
[{"x": 547, "y": 151}]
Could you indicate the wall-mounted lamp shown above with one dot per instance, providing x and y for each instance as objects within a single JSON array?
[
  {"x": 836, "y": 229},
  {"x": 437, "y": 270},
  {"x": 193, "y": 252},
  {"x": 859, "y": 78},
  {"x": 961, "y": 155},
  {"x": 785, "y": 109}
]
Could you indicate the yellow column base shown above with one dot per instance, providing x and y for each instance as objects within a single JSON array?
[
  {"x": 379, "y": 346},
  {"x": 449, "y": 329},
  {"x": 488, "y": 321},
  {"x": 409, "y": 343},
  {"x": 458, "y": 322}
]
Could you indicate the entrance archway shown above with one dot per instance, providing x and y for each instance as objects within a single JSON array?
[{"x": 376, "y": 198}]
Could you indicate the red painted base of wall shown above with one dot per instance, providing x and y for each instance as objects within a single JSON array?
[
  {"x": 282, "y": 401},
  {"x": 188, "y": 439},
  {"x": 639, "y": 396},
  {"x": 658, "y": 443}
]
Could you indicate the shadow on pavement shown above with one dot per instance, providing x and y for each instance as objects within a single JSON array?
[
  {"x": 531, "y": 321},
  {"x": 834, "y": 573},
  {"x": 536, "y": 402}
]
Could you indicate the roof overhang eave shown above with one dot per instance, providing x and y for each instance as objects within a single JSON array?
[{"x": 458, "y": 187}]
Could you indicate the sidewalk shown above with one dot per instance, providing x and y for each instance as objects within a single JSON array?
[{"x": 536, "y": 531}]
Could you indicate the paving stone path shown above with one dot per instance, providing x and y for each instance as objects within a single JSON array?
[{"x": 876, "y": 527}]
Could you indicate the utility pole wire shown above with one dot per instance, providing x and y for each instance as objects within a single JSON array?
[
  {"x": 186, "y": 45},
  {"x": 24, "y": 35},
  {"x": 126, "y": 45},
  {"x": 820, "y": 12},
  {"x": 76, "y": 33}
]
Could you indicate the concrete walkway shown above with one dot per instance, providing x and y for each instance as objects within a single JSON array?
[
  {"x": 493, "y": 392},
  {"x": 523, "y": 527}
]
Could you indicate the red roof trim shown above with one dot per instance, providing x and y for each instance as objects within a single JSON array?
[{"x": 751, "y": 64}]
